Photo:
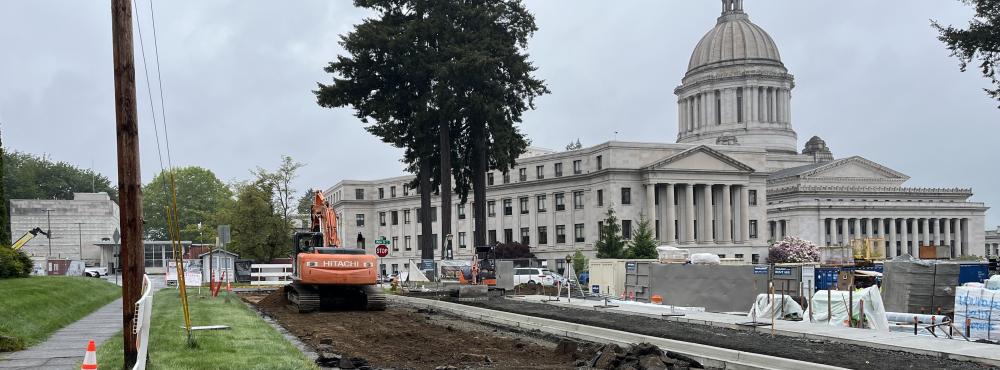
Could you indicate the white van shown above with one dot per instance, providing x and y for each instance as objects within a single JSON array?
[{"x": 533, "y": 275}]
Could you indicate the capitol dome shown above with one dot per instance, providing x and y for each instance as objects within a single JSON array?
[{"x": 734, "y": 40}]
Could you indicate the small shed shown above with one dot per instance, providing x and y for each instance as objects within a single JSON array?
[{"x": 218, "y": 261}]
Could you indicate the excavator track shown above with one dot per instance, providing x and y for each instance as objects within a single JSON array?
[
  {"x": 376, "y": 298},
  {"x": 302, "y": 299}
]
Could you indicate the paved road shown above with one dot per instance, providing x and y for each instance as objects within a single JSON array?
[{"x": 66, "y": 347}]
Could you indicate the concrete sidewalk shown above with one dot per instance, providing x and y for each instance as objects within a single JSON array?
[
  {"x": 66, "y": 347},
  {"x": 988, "y": 354}
]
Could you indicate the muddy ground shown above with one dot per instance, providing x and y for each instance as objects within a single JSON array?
[
  {"x": 836, "y": 354},
  {"x": 404, "y": 338}
]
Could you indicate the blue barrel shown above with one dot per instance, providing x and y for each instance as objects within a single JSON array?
[{"x": 973, "y": 273}]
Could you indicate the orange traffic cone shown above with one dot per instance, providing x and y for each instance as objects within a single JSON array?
[{"x": 90, "y": 359}]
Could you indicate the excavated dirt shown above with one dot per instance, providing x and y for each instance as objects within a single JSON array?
[
  {"x": 836, "y": 354},
  {"x": 405, "y": 338}
]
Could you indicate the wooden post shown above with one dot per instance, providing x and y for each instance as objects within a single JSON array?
[
  {"x": 850, "y": 307},
  {"x": 915, "y": 322},
  {"x": 861, "y": 314},
  {"x": 129, "y": 182},
  {"x": 829, "y": 305}
]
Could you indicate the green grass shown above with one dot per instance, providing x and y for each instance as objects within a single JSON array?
[
  {"x": 250, "y": 344},
  {"x": 32, "y": 308}
]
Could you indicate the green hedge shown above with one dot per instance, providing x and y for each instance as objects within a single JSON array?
[{"x": 14, "y": 263}]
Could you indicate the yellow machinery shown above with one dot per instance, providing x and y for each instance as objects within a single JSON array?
[{"x": 31, "y": 234}]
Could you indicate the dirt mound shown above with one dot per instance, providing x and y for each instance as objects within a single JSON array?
[
  {"x": 276, "y": 299},
  {"x": 536, "y": 289}
]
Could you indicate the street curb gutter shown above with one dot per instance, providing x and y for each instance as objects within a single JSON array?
[{"x": 709, "y": 356}]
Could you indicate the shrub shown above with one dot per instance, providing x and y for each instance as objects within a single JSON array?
[
  {"x": 793, "y": 250},
  {"x": 14, "y": 263}
]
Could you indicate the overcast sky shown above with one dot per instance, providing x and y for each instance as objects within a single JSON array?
[{"x": 871, "y": 79}]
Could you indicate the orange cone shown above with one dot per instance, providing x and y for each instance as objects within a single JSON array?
[{"x": 90, "y": 359}]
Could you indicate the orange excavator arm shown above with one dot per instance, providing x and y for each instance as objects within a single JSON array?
[{"x": 324, "y": 220}]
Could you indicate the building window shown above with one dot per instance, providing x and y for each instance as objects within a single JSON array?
[
  {"x": 626, "y": 196},
  {"x": 406, "y": 216},
  {"x": 492, "y": 234},
  {"x": 753, "y": 229},
  {"x": 543, "y": 235},
  {"x": 508, "y": 208},
  {"x": 558, "y": 168},
  {"x": 381, "y": 193},
  {"x": 722, "y": 256},
  {"x": 755, "y": 258},
  {"x": 406, "y": 243},
  {"x": 627, "y": 229},
  {"x": 752, "y": 194},
  {"x": 395, "y": 217},
  {"x": 523, "y": 203},
  {"x": 600, "y": 197},
  {"x": 578, "y": 199},
  {"x": 739, "y": 104},
  {"x": 395, "y": 244},
  {"x": 491, "y": 208},
  {"x": 739, "y": 256},
  {"x": 395, "y": 268},
  {"x": 392, "y": 191},
  {"x": 461, "y": 240},
  {"x": 539, "y": 172},
  {"x": 461, "y": 211},
  {"x": 508, "y": 235},
  {"x": 489, "y": 179},
  {"x": 577, "y": 167},
  {"x": 434, "y": 214},
  {"x": 360, "y": 219},
  {"x": 406, "y": 190},
  {"x": 718, "y": 107},
  {"x": 522, "y": 174},
  {"x": 381, "y": 218},
  {"x": 560, "y": 234},
  {"x": 359, "y": 194},
  {"x": 578, "y": 233},
  {"x": 525, "y": 237},
  {"x": 541, "y": 203},
  {"x": 506, "y": 177},
  {"x": 420, "y": 216},
  {"x": 560, "y": 202},
  {"x": 600, "y": 163}
]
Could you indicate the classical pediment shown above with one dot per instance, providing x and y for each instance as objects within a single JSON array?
[
  {"x": 700, "y": 158},
  {"x": 853, "y": 168}
]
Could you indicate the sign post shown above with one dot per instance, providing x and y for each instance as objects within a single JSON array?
[{"x": 381, "y": 250}]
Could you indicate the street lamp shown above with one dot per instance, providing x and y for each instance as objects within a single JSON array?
[
  {"x": 48, "y": 217},
  {"x": 79, "y": 229}
]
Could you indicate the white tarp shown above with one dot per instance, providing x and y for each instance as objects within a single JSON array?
[
  {"x": 784, "y": 308},
  {"x": 874, "y": 309},
  {"x": 705, "y": 259},
  {"x": 993, "y": 283},
  {"x": 982, "y": 307},
  {"x": 414, "y": 274}
]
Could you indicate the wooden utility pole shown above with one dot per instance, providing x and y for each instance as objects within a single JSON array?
[{"x": 129, "y": 183}]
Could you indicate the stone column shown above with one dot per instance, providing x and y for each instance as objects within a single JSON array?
[
  {"x": 689, "y": 214},
  {"x": 915, "y": 237},
  {"x": 892, "y": 238},
  {"x": 651, "y": 203},
  {"x": 959, "y": 237},
  {"x": 822, "y": 233},
  {"x": 727, "y": 215},
  {"x": 927, "y": 233},
  {"x": 881, "y": 234},
  {"x": 946, "y": 235},
  {"x": 857, "y": 229},
  {"x": 670, "y": 215},
  {"x": 868, "y": 228},
  {"x": 708, "y": 213},
  {"x": 745, "y": 214},
  {"x": 904, "y": 228}
]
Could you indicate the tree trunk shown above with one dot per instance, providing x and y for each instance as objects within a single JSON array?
[
  {"x": 445, "y": 187},
  {"x": 479, "y": 167},
  {"x": 426, "y": 237}
]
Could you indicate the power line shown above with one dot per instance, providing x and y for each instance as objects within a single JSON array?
[
  {"x": 159, "y": 80},
  {"x": 149, "y": 93}
]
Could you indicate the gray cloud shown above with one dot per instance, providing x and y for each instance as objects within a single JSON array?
[{"x": 871, "y": 79}]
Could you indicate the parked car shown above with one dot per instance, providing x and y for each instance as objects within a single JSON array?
[
  {"x": 533, "y": 275},
  {"x": 95, "y": 271}
]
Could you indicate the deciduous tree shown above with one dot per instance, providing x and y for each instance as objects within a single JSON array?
[
  {"x": 200, "y": 196},
  {"x": 259, "y": 231},
  {"x": 27, "y": 176},
  {"x": 980, "y": 41},
  {"x": 281, "y": 180}
]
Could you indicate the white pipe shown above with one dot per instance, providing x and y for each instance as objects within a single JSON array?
[{"x": 908, "y": 318}]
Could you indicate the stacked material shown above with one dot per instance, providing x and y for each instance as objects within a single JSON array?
[
  {"x": 919, "y": 286},
  {"x": 981, "y": 307},
  {"x": 781, "y": 307},
  {"x": 836, "y": 312}
]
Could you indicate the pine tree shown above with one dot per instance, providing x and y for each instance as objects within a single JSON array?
[
  {"x": 979, "y": 41},
  {"x": 643, "y": 243},
  {"x": 610, "y": 243}
]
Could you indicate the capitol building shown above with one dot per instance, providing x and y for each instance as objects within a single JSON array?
[{"x": 735, "y": 179}]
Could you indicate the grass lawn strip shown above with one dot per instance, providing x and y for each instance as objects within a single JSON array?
[
  {"x": 33, "y": 308},
  {"x": 251, "y": 343}
]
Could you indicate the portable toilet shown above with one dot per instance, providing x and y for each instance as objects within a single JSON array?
[{"x": 218, "y": 261}]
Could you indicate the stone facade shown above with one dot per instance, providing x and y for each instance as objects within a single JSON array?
[
  {"x": 77, "y": 225},
  {"x": 993, "y": 242}
]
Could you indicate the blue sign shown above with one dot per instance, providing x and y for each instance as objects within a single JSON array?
[
  {"x": 596, "y": 289},
  {"x": 760, "y": 270},
  {"x": 630, "y": 266},
  {"x": 426, "y": 265},
  {"x": 782, "y": 271}
]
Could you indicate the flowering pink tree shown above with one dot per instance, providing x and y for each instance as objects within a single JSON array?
[{"x": 793, "y": 250}]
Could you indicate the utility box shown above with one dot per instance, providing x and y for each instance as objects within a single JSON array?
[
  {"x": 505, "y": 275},
  {"x": 607, "y": 276},
  {"x": 637, "y": 281}
]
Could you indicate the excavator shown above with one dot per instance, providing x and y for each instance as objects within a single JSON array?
[
  {"x": 24, "y": 239},
  {"x": 326, "y": 274}
]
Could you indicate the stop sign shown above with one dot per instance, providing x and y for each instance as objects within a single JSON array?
[{"x": 382, "y": 251}]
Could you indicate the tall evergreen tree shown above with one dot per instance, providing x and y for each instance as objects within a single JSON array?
[
  {"x": 981, "y": 40},
  {"x": 643, "y": 244},
  {"x": 610, "y": 243}
]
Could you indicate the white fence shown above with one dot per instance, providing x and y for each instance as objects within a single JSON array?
[
  {"x": 144, "y": 312},
  {"x": 270, "y": 274}
]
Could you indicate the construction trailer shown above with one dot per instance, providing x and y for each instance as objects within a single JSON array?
[{"x": 607, "y": 276}]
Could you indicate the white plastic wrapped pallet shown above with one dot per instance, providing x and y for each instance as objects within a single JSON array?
[
  {"x": 982, "y": 308},
  {"x": 705, "y": 259},
  {"x": 838, "y": 312},
  {"x": 783, "y": 305}
]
